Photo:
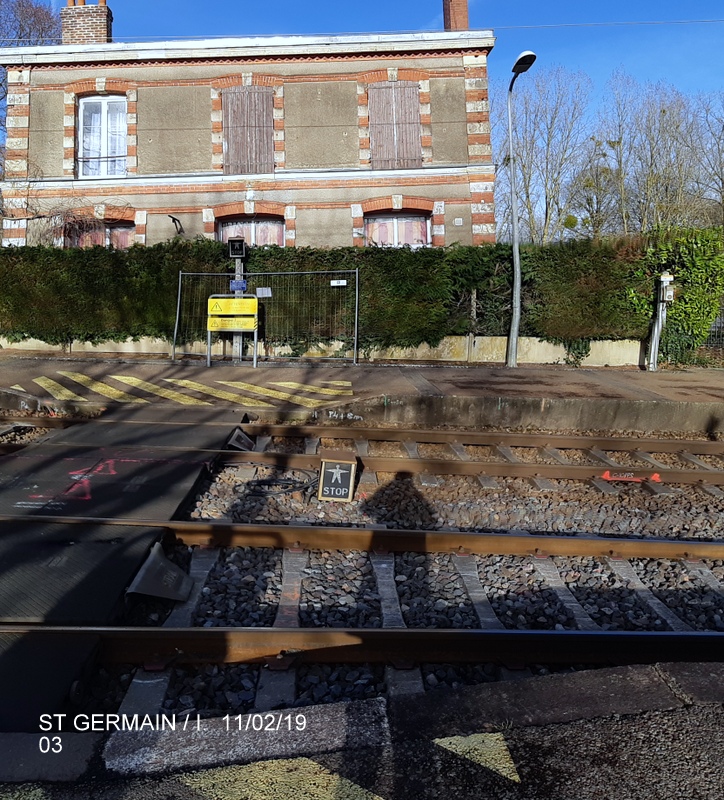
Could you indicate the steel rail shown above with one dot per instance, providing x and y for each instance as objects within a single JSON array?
[
  {"x": 456, "y": 436},
  {"x": 314, "y": 537},
  {"x": 482, "y": 438},
  {"x": 440, "y": 466},
  {"x": 497, "y": 469},
  {"x": 42, "y": 422},
  {"x": 165, "y": 647}
]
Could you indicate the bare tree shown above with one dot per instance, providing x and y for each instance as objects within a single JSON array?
[
  {"x": 647, "y": 135},
  {"x": 592, "y": 192},
  {"x": 665, "y": 169},
  {"x": 549, "y": 130},
  {"x": 24, "y": 23},
  {"x": 708, "y": 147}
]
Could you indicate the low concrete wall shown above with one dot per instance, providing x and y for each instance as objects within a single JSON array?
[
  {"x": 452, "y": 349},
  {"x": 574, "y": 413},
  {"x": 492, "y": 350}
]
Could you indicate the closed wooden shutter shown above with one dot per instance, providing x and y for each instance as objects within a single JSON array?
[
  {"x": 394, "y": 110},
  {"x": 248, "y": 129}
]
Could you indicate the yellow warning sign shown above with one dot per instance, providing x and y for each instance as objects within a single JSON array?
[
  {"x": 231, "y": 324},
  {"x": 233, "y": 305}
]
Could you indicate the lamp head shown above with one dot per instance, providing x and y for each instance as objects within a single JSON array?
[{"x": 524, "y": 62}]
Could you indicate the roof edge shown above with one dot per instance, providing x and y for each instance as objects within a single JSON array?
[{"x": 248, "y": 47}]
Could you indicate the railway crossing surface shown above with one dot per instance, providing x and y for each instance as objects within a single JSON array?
[
  {"x": 625, "y": 732},
  {"x": 125, "y": 470}
]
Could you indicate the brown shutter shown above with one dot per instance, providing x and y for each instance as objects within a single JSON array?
[
  {"x": 407, "y": 105},
  {"x": 381, "y": 100},
  {"x": 394, "y": 111},
  {"x": 248, "y": 129}
]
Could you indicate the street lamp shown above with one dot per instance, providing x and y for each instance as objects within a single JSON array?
[{"x": 522, "y": 64}]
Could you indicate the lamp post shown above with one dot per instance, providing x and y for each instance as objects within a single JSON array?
[{"x": 522, "y": 64}]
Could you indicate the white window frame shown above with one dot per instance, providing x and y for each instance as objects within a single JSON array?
[
  {"x": 102, "y": 159},
  {"x": 397, "y": 218}
]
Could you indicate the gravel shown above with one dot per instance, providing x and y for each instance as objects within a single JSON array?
[
  {"x": 698, "y": 605},
  {"x": 519, "y": 598},
  {"x": 242, "y": 589},
  {"x": 605, "y": 597},
  {"x": 339, "y": 591},
  {"x": 431, "y": 592},
  {"x": 459, "y": 503},
  {"x": 212, "y": 690},
  {"x": 22, "y": 434},
  {"x": 455, "y": 676},
  {"x": 328, "y": 683}
]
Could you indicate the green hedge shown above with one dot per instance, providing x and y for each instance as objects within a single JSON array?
[{"x": 572, "y": 292}]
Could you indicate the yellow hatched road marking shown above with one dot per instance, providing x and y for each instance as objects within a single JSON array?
[
  {"x": 54, "y": 389},
  {"x": 310, "y": 388},
  {"x": 168, "y": 394},
  {"x": 248, "y": 387},
  {"x": 490, "y": 750},
  {"x": 102, "y": 388},
  {"x": 220, "y": 393},
  {"x": 18, "y": 388},
  {"x": 275, "y": 779},
  {"x": 338, "y": 383}
]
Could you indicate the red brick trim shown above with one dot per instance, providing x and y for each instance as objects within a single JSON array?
[
  {"x": 408, "y": 204},
  {"x": 260, "y": 207},
  {"x": 88, "y": 86},
  {"x": 403, "y": 74},
  {"x": 238, "y": 80},
  {"x": 113, "y": 213}
]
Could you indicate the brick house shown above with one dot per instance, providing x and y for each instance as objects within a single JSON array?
[{"x": 321, "y": 141}]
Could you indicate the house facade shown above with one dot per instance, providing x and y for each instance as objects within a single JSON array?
[{"x": 321, "y": 141}]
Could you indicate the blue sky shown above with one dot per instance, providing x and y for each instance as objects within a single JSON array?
[{"x": 685, "y": 55}]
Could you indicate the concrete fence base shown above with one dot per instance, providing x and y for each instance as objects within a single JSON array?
[{"x": 452, "y": 349}]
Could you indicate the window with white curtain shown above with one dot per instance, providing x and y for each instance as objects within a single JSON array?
[
  {"x": 91, "y": 233},
  {"x": 256, "y": 231},
  {"x": 102, "y": 140},
  {"x": 397, "y": 230}
]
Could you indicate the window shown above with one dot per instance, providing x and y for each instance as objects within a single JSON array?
[
  {"x": 102, "y": 141},
  {"x": 248, "y": 119},
  {"x": 394, "y": 109},
  {"x": 392, "y": 230},
  {"x": 257, "y": 232},
  {"x": 90, "y": 233}
]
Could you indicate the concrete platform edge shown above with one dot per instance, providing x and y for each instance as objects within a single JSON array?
[{"x": 601, "y": 414}]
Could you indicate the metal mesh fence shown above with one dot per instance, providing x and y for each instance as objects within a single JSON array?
[
  {"x": 716, "y": 333},
  {"x": 300, "y": 313}
]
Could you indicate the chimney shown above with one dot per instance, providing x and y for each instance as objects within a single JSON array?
[
  {"x": 86, "y": 24},
  {"x": 455, "y": 14}
]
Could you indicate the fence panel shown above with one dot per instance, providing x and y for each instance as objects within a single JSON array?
[
  {"x": 716, "y": 333},
  {"x": 313, "y": 314}
]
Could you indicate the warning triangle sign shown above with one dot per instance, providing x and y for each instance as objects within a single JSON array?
[{"x": 216, "y": 307}]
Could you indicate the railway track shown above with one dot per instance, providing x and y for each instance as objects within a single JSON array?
[
  {"x": 492, "y": 643},
  {"x": 603, "y": 462},
  {"x": 488, "y": 636}
]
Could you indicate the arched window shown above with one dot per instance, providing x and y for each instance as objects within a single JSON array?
[
  {"x": 97, "y": 232},
  {"x": 257, "y": 231},
  {"x": 397, "y": 229},
  {"x": 102, "y": 141}
]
